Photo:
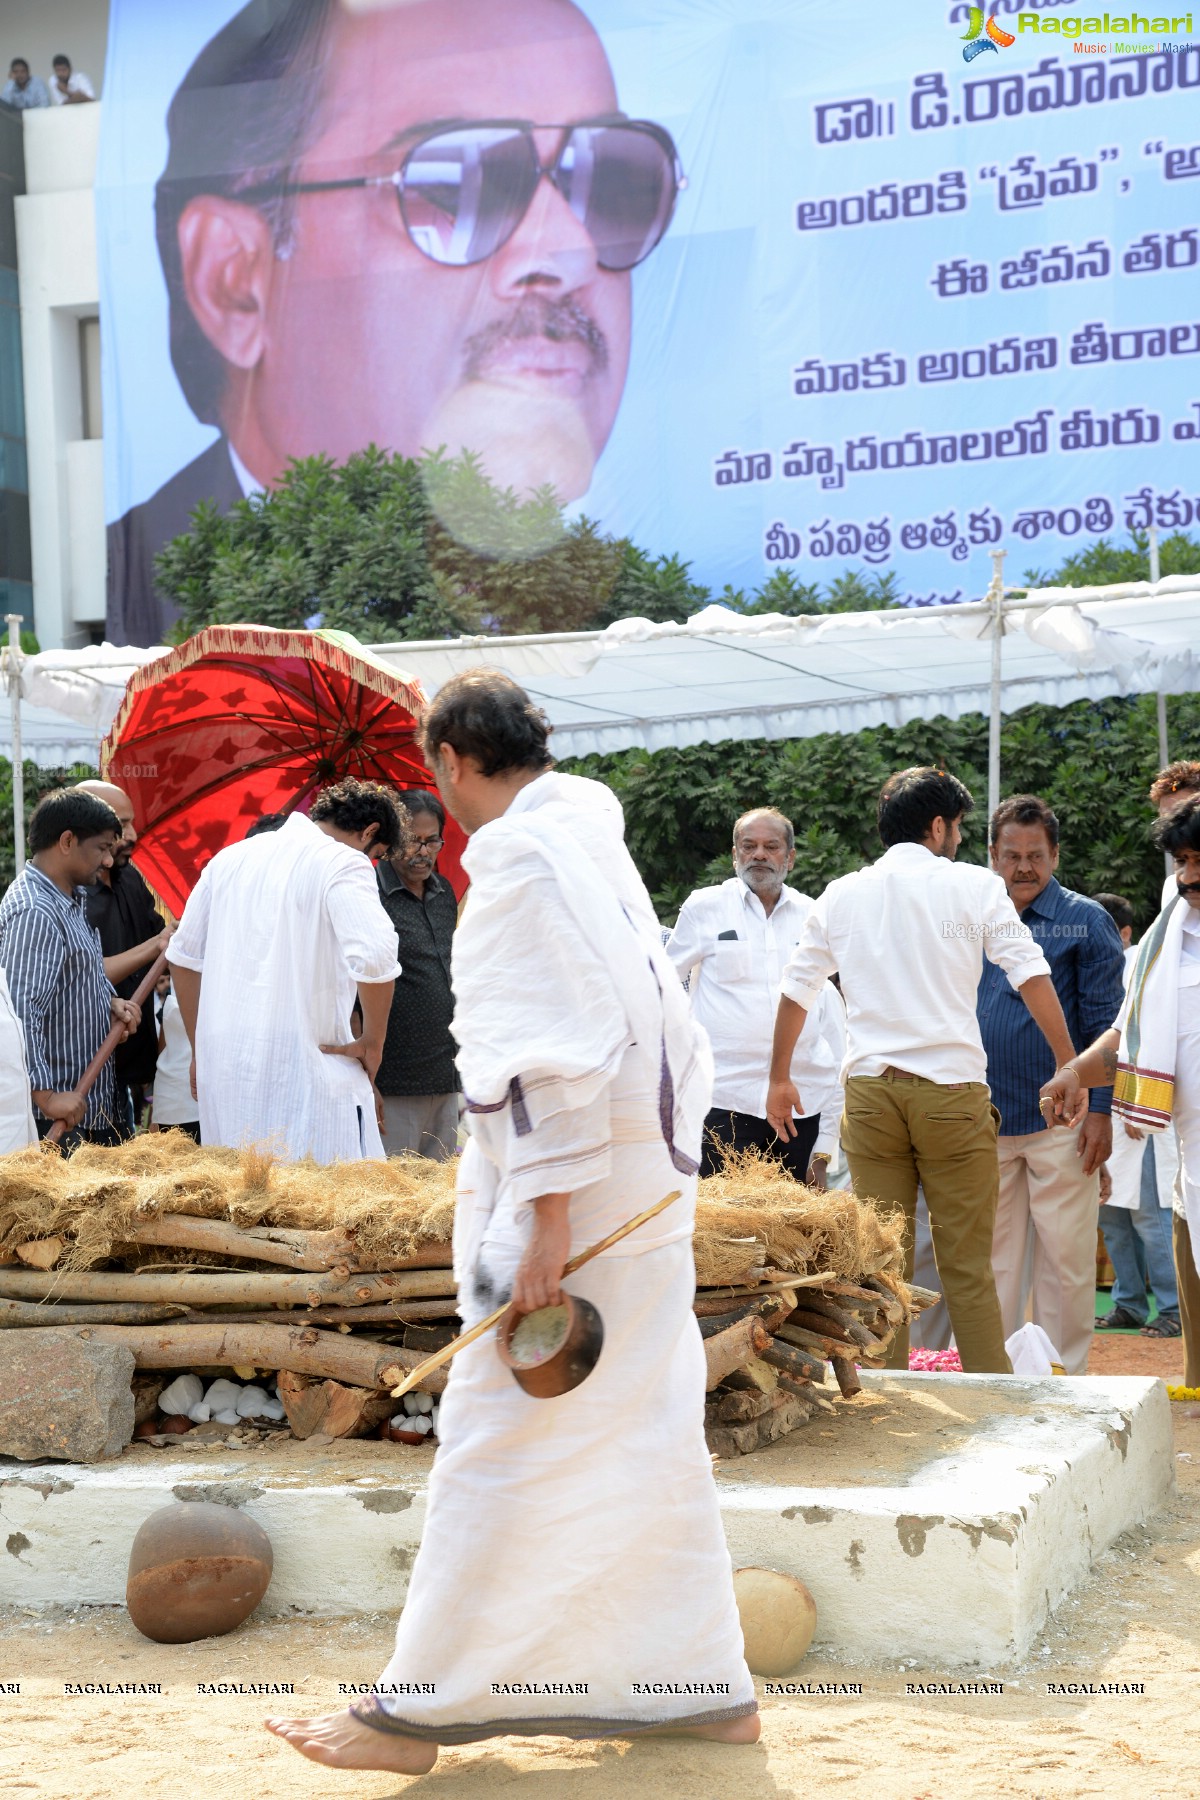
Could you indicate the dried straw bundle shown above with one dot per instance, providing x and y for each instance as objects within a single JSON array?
[
  {"x": 93, "y": 1197},
  {"x": 804, "y": 1232}
]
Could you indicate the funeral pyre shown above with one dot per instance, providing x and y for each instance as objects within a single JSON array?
[{"x": 319, "y": 1288}]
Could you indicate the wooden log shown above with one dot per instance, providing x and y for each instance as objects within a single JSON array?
[
  {"x": 804, "y": 1390},
  {"x": 23, "y": 1313},
  {"x": 398, "y": 1313},
  {"x": 330, "y": 1407},
  {"x": 41, "y": 1253},
  {"x": 817, "y": 1325},
  {"x": 793, "y": 1362},
  {"x": 355, "y": 1361},
  {"x": 723, "y": 1299},
  {"x": 730, "y": 1349},
  {"x": 846, "y": 1376},
  {"x": 816, "y": 1344},
  {"x": 842, "y": 1321},
  {"x": 308, "y": 1250},
  {"x": 233, "y": 1288},
  {"x": 756, "y": 1375},
  {"x": 737, "y": 1408},
  {"x": 773, "y": 1310},
  {"x": 784, "y": 1414}
]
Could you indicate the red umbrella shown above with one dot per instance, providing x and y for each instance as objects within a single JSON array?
[{"x": 242, "y": 721}]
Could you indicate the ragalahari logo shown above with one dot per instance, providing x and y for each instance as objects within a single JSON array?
[{"x": 984, "y": 34}]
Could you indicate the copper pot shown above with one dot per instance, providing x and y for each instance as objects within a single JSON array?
[{"x": 552, "y": 1355}]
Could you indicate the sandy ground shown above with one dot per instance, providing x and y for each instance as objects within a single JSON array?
[{"x": 1136, "y": 1620}]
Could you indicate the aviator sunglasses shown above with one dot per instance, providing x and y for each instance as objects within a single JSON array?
[{"x": 464, "y": 188}]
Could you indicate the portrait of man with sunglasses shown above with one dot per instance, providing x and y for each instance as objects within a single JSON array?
[{"x": 403, "y": 222}]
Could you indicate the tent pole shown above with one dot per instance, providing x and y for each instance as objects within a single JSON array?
[
  {"x": 1164, "y": 754},
  {"x": 996, "y": 597},
  {"x": 15, "y": 621}
]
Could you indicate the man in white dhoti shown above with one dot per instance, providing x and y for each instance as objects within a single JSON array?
[
  {"x": 1152, "y": 1053},
  {"x": 280, "y": 934},
  {"x": 573, "y": 1578}
]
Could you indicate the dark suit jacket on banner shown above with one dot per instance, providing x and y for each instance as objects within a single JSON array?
[{"x": 137, "y": 613}]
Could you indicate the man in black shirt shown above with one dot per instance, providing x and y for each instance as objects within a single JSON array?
[
  {"x": 132, "y": 934},
  {"x": 417, "y": 1078}
]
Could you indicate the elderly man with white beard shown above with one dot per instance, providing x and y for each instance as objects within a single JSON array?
[
  {"x": 573, "y": 1578},
  {"x": 730, "y": 945}
]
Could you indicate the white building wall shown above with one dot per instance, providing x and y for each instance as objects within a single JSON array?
[{"x": 59, "y": 286}]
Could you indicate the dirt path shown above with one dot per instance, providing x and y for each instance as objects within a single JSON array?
[{"x": 1136, "y": 1620}]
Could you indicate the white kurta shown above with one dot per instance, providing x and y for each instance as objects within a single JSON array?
[
  {"x": 282, "y": 928},
  {"x": 17, "y": 1129},
  {"x": 573, "y": 1577}
]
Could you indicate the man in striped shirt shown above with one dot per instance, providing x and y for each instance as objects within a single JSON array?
[{"x": 54, "y": 964}]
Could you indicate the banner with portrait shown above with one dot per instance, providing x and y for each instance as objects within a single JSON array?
[{"x": 795, "y": 286}]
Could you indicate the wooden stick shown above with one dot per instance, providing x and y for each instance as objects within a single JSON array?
[
  {"x": 19, "y": 1313},
  {"x": 732, "y": 1348},
  {"x": 354, "y": 1361},
  {"x": 397, "y": 1312},
  {"x": 468, "y": 1337},
  {"x": 116, "y": 1035},
  {"x": 315, "y": 1250},
  {"x": 215, "y": 1288}
]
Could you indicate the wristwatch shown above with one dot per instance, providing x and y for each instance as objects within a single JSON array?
[{"x": 819, "y": 1156}]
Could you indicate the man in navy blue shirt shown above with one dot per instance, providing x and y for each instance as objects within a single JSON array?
[{"x": 1049, "y": 1180}]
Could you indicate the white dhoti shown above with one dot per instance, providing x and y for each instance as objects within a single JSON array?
[{"x": 573, "y": 1577}]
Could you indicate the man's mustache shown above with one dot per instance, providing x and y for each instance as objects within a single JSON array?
[
  {"x": 559, "y": 321},
  {"x": 1188, "y": 887}
]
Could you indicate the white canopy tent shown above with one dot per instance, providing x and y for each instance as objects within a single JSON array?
[{"x": 725, "y": 675}]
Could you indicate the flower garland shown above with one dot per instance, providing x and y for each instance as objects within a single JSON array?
[
  {"x": 1177, "y": 1392},
  {"x": 944, "y": 1362}
]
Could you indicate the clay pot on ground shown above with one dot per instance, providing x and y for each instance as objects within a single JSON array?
[{"x": 196, "y": 1571}]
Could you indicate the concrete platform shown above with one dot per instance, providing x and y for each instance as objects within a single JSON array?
[{"x": 941, "y": 1516}]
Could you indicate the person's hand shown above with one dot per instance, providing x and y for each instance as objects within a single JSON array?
[
  {"x": 192, "y": 1078},
  {"x": 538, "y": 1281},
  {"x": 1094, "y": 1143},
  {"x": 1105, "y": 1185},
  {"x": 163, "y": 939},
  {"x": 1064, "y": 1099},
  {"x": 782, "y": 1101},
  {"x": 1131, "y": 1131},
  {"x": 126, "y": 1013},
  {"x": 69, "y": 1107},
  {"x": 380, "y": 1116},
  {"x": 818, "y": 1174},
  {"x": 363, "y": 1050}
]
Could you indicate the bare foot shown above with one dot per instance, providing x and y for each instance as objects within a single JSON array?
[
  {"x": 746, "y": 1730},
  {"x": 343, "y": 1742}
]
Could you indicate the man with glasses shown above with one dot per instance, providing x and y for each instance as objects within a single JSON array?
[
  {"x": 417, "y": 1078},
  {"x": 406, "y": 224}
]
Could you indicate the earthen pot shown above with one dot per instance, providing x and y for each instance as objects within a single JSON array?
[
  {"x": 196, "y": 1571},
  {"x": 547, "y": 1353}
]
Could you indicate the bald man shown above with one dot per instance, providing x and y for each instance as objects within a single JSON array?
[{"x": 132, "y": 934}]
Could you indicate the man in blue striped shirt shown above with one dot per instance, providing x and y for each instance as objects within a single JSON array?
[
  {"x": 54, "y": 964},
  {"x": 1049, "y": 1179}
]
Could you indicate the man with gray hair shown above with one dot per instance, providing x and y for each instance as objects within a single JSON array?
[{"x": 730, "y": 946}]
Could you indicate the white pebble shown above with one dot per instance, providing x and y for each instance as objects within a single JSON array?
[
  {"x": 181, "y": 1395},
  {"x": 412, "y": 1404},
  {"x": 223, "y": 1396},
  {"x": 251, "y": 1402},
  {"x": 271, "y": 1409},
  {"x": 422, "y": 1423},
  {"x": 400, "y": 1419},
  {"x": 424, "y": 1402},
  {"x": 226, "y": 1418},
  {"x": 200, "y": 1414}
]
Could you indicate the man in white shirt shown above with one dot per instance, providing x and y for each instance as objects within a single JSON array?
[
  {"x": 69, "y": 87},
  {"x": 730, "y": 946},
  {"x": 277, "y": 938},
  {"x": 908, "y": 936},
  {"x": 1151, "y": 997}
]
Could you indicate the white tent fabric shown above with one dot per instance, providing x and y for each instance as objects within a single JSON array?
[{"x": 724, "y": 675}]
